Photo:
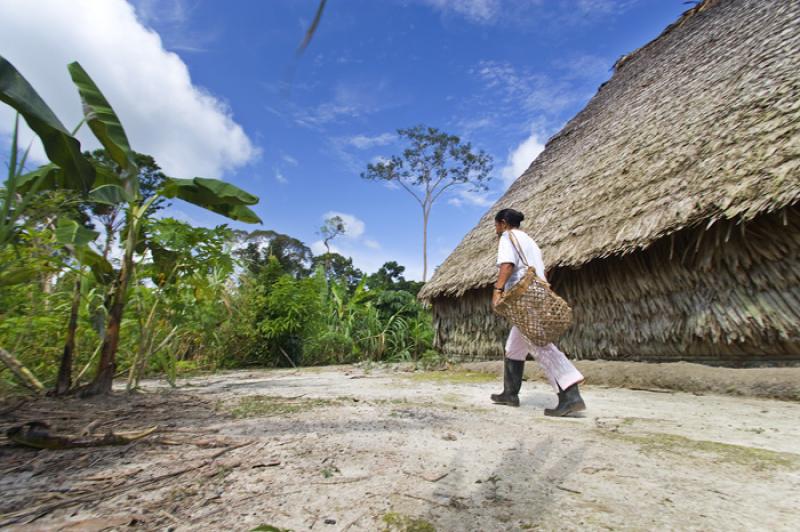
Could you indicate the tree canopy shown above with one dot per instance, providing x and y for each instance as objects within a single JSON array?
[{"x": 432, "y": 164}]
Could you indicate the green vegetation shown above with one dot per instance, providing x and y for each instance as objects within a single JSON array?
[
  {"x": 396, "y": 522},
  {"x": 758, "y": 459},
  {"x": 157, "y": 296},
  {"x": 266, "y": 406},
  {"x": 454, "y": 377}
]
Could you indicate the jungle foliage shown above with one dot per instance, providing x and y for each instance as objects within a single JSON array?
[{"x": 155, "y": 294}]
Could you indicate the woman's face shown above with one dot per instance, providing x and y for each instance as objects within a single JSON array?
[{"x": 500, "y": 226}]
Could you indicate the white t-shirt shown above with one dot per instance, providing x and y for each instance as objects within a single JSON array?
[{"x": 507, "y": 254}]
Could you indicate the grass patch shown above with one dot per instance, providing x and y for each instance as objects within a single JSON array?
[
  {"x": 269, "y": 405},
  {"x": 758, "y": 459},
  {"x": 396, "y": 522},
  {"x": 453, "y": 377},
  {"x": 449, "y": 402},
  {"x": 451, "y": 398}
]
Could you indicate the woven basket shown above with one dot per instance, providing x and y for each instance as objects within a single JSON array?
[{"x": 538, "y": 312}]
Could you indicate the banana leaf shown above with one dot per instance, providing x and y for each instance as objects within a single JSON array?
[
  {"x": 70, "y": 232},
  {"x": 101, "y": 269},
  {"x": 214, "y": 195},
  {"x": 101, "y": 118},
  {"x": 62, "y": 148},
  {"x": 76, "y": 239},
  {"x": 19, "y": 275},
  {"x": 109, "y": 195}
]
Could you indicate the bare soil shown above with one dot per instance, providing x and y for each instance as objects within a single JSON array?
[
  {"x": 358, "y": 448},
  {"x": 774, "y": 383}
]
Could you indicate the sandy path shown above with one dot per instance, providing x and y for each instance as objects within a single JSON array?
[{"x": 349, "y": 449}]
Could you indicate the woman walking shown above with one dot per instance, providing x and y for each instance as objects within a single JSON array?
[{"x": 562, "y": 374}]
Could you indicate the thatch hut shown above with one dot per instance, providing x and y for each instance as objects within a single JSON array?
[{"x": 668, "y": 209}]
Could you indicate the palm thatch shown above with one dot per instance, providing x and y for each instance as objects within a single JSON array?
[
  {"x": 729, "y": 294},
  {"x": 701, "y": 124},
  {"x": 696, "y": 132}
]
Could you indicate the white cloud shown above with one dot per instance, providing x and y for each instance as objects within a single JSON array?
[
  {"x": 189, "y": 131},
  {"x": 470, "y": 125},
  {"x": 521, "y": 158},
  {"x": 353, "y": 227},
  {"x": 482, "y": 11},
  {"x": 349, "y": 101},
  {"x": 532, "y": 91},
  {"x": 473, "y": 198},
  {"x": 280, "y": 178},
  {"x": 604, "y": 7},
  {"x": 325, "y": 113},
  {"x": 545, "y": 15},
  {"x": 586, "y": 66},
  {"x": 170, "y": 11},
  {"x": 368, "y": 255},
  {"x": 288, "y": 159},
  {"x": 172, "y": 19},
  {"x": 363, "y": 142}
]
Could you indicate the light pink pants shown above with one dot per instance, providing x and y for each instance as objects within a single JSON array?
[{"x": 559, "y": 370}]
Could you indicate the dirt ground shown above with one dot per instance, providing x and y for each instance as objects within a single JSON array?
[
  {"x": 358, "y": 448},
  {"x": 774, "y": 383}
]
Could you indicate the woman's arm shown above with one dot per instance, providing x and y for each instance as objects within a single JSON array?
[{"x": 506, "y": 269}]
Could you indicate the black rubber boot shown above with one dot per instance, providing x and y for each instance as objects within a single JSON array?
[
  {"x": 569, "y": 401},
  {"x": 512, "y": 382}
]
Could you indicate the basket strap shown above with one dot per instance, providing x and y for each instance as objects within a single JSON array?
[{"x": 517, "y": 248}]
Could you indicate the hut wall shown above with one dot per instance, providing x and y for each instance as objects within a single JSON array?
[
  {"x": 466, "y": 328},
  {"x": 727, "y": 294}
]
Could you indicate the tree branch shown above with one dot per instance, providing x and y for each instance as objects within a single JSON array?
[
  {"x": 410, "y": 191},
  {"x": 445, "y": 188}
]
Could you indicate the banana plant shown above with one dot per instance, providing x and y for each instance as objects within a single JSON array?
[
  {"x": 214, "y": 195},
  {"x": 68, "y": 168}
]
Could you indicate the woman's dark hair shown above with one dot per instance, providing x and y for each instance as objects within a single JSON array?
[{"x": 510, "y": 216}]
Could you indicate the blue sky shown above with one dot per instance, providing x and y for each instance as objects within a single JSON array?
[{"x": 214, "y": 89}]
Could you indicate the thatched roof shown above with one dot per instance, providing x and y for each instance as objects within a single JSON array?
[{"x": 700, "y": 124}]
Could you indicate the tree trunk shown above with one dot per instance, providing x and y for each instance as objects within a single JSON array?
[
  {"x": 327, "y": 259},
  {"x": 425, "y": 214},
  {"x": 22, "y": 373},
  {"x": 64, "y": 382},
  {"x": 109, "y": 227},
  {"x": 107, "y": 366}
]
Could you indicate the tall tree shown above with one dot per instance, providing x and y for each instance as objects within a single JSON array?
[
  {"x": 333, "y": 227},
  {"x": 387, "y": 276},
  {"x": 433, "y": 163},
  {"x": 338, "y": 268},
  {"x": 292, "y": 255}
]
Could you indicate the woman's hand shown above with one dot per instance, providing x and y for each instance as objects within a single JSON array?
[
  {"x": 496, "y": 297},
  {"x": 506, "y": 269}
]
